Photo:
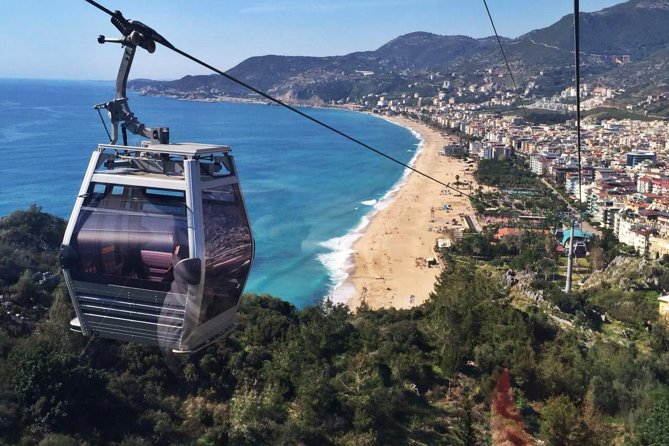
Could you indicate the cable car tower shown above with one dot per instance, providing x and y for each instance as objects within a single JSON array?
[
  {"x": 159, "y": 246},
  {"x": 577, "y": 80}
]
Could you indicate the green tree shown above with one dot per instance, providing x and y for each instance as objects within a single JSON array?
[
  {"x": 562, "y": 369},
  {"x": 462, "y": 432},
  {"x": 57, "y": 391},
  {"x": 255, "y": 415},
  {"x": 654, "y": 430},
  {"x": 659, "y": 338},
  {"x": 562, "y": 423},
  {"x": 31, "y": 238},
  {"x": 461, "y": 302},
  {"x": 59, "y": 440},
  {"x": 28, "y": 293}
]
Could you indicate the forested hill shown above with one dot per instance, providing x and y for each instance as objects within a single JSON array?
[
  {"x": 476, "y": 364},
  {"x": 624, "y": 47}
]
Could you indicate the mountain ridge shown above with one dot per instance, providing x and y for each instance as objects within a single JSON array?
[{"x": 627, "y": 35}]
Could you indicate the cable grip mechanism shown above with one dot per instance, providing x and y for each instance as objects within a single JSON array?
[{"x": 134, "y": 34}]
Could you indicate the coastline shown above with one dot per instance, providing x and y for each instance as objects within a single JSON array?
[
  {"x": 340, "y": 260},
  {"x": 389, "y": 266}
]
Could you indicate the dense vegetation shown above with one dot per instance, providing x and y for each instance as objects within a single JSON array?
[
  {"x": 472, "y": 365},
  {"x": 504, "y": 173},
  {"x": 516, "y": 192},
  {"x": 601, "y": 113}
]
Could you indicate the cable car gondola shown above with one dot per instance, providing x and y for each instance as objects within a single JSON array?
[{"x": 158, "y": 247}]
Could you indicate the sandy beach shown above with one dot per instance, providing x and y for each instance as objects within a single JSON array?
[{"x": 391, "y": 256}]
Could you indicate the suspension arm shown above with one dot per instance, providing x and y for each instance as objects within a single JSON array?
[{"x": 119, "y": 110}]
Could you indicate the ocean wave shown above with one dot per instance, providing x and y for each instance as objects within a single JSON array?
[
  {"x": 4, "y": 103},
  {"x": 339, "y": 260}
]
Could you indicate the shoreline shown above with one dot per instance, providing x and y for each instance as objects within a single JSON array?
[
  {"x": 390, "y": 254},
  {"x": 343, "y": 289}
]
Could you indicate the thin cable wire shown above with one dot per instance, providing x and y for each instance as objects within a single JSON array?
[
  {"x": 506, "y": 61},
  {"x": 167, "y": 44},
  {"x": 100, "y": 7}
]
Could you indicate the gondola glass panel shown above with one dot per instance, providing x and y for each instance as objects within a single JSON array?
[
  {"x": 228, "y": 248},
  {"x": 130, "y": 236}
]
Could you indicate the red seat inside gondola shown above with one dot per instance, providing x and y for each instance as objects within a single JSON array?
[
  {"x": 158, "y": 263},
  {"x": 110, "y": 255}
]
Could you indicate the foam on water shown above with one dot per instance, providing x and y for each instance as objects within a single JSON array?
[{"x": 339, "y": 262}]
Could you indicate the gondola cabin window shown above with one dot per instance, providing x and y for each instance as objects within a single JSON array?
[
  {"x": 228, "y": 247},
  {"x": 130, "y": 236}
]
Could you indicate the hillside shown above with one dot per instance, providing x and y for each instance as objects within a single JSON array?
[
  {"x": 328, "y": 78},
  {"x": 624, "y": 46},
  {"x": 632, "y": 28},
  {"x": 471, "y": 364}
]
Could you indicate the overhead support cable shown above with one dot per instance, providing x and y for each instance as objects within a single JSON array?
[{"x": 149, "y": 33}]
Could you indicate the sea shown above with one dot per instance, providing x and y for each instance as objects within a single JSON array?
[{"x": 309, "y": 192}]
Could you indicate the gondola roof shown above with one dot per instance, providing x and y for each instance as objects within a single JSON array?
[{"x": 188, "y": 149}]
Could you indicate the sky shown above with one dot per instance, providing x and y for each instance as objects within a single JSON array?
[{"x": 58, "y": 39}]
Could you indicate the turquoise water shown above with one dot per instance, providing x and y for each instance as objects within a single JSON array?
[{"x": 308, "y": 191}]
